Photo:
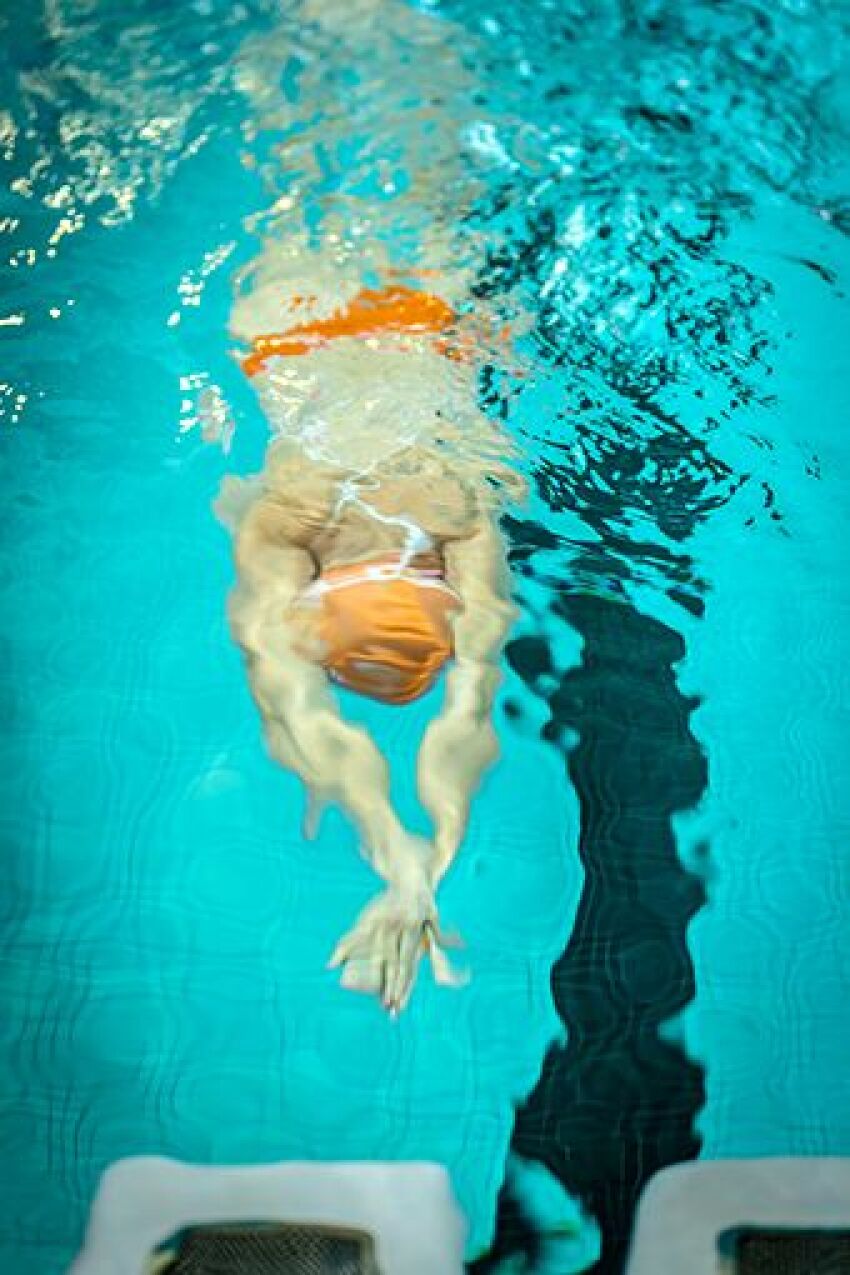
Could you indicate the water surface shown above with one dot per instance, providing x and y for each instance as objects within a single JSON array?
[{"x": 657, "y": 930}]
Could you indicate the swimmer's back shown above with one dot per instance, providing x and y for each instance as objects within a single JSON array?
[{"x": 338, "y": 515}]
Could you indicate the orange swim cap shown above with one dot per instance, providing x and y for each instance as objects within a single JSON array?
[{"x": 385, "y": 638}]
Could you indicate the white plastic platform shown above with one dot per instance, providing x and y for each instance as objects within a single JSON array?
[
  {"x": 685, "y": 1208},
  {"x": 408, "y": 1208}
]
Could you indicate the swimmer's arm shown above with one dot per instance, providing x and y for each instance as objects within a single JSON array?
[
  {"x": 461, "y": 743},
  {"x": 305, "y": 733}
]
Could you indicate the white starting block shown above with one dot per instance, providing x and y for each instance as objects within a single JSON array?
[
  {"x": 407, "y": 1208},
  {"x": 686, "y": 1210}
]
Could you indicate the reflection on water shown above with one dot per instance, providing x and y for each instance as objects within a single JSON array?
[
  {"x": 665, "y": 342},
  {"x": 596, "y": 176}
]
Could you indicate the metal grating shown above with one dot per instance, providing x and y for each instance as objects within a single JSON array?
[
  {"x": 276, "y": 1249},
  {"x": 792, "y": 1252}
]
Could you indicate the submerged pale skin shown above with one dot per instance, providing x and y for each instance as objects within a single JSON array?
[
  {"x": 291, "y": 527},
  {"x": 380, "y": 455}
]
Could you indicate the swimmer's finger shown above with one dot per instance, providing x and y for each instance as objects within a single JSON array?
[
  {"x": 392, "y": 967},
  {"x": 354, "y": 943},
  {"x": 400, "y": 981},
  {"x": 345, "y": 950},
  {"x": 445, "y": 938},
  {"x": 362, "y": 976},
  {"x": 406, "y": 997},
  {"x": 444, "y": 971},
  {"x": 340, "y": 954}
]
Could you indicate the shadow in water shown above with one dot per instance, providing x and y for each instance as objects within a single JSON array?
[{"x": 619, "y": 1102}]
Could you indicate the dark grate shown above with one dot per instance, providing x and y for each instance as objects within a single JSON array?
[
  {"x": 792, "y": 1253},
  {"x": 277, "y": 1249}
]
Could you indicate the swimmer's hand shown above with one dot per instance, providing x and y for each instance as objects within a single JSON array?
[{"x": 381, "y": 954}]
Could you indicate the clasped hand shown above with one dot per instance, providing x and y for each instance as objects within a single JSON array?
[{"x": 381, "y": 954}]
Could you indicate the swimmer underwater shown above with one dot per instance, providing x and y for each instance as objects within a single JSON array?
[{"x": 368, "y": 556}]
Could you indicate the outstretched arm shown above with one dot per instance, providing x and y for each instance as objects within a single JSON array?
[
  {"x": 461, "y": 743},
  {"x": 336, "y": 761}
]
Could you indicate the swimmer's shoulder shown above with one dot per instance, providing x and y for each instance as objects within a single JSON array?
[
  {"x": 454, "y": 495},
  {"x": 302, "y": 493},
  {"x": 431, "y": 495}
]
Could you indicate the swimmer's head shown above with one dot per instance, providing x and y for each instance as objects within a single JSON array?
[{"x": 387, "y": 639}]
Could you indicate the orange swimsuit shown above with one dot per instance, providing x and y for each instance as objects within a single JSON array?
[{"x": 373, "y": 311}]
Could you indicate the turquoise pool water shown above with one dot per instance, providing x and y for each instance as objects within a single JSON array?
[{"x": 654, "y": 890}]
